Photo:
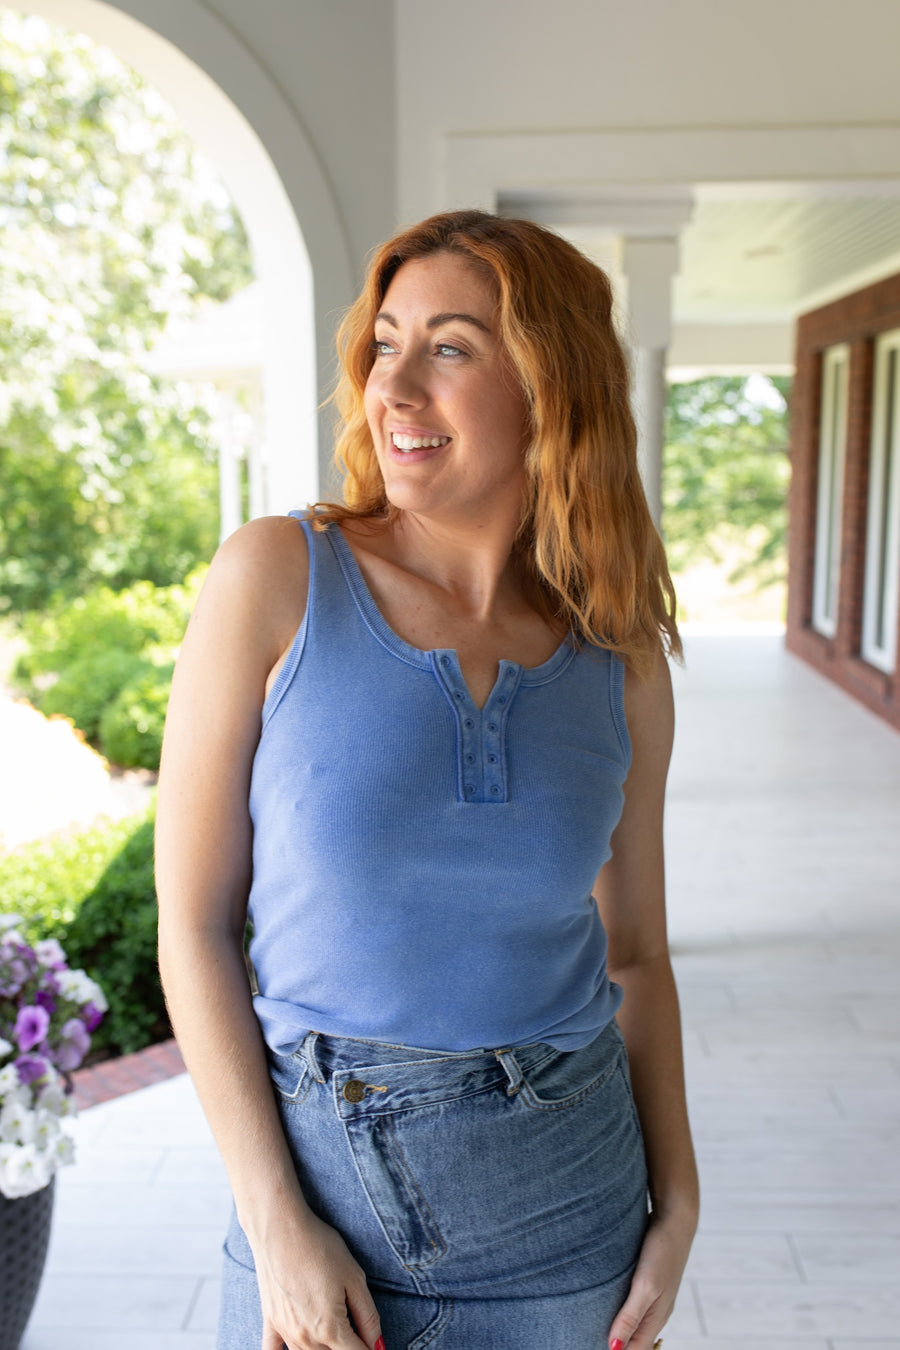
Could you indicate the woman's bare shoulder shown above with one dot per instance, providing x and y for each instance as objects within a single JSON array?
[
  {"x": 257, "y": 585},
  {"x": 649, "y": 710}
]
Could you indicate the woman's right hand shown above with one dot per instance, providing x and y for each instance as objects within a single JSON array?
[{"x": 311, "y": 1289}]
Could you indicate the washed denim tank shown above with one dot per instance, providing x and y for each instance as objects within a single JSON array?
[{"x": 422, "y": 868}]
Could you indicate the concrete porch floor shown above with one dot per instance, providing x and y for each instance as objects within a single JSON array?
[{"x": 784, "y": 882}]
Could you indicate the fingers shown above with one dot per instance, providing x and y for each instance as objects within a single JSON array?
[
  {"x": 335, "y": 1337},
  {"x": 365, "y": 1316},
  {"x": 639, "y": 1321}
]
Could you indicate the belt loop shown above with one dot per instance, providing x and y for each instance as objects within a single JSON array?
[
  {"x": 308, "y": 1051},
  {"x": 511, "y": 1068}
]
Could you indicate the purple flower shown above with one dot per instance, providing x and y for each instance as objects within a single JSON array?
[
  {"x": 31, "y": 1068},
  {"x": 75, "y": 1045},
  {"x": 45, "y": 1000},
  {"x": 92, "y": 1016},
  {"x": 31, "y": 1027}
]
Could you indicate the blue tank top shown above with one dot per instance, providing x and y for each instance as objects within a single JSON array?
[{"x": 422, "y": 868}]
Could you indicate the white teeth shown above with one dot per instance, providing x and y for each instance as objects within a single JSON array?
[{"x": 418, "y": 442}]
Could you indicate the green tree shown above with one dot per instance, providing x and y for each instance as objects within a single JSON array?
[
  {"x": 726, "y": 473},
  {"x": 112, "y": 223}
]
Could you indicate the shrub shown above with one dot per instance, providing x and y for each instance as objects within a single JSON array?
[
  {"x": 85, "y": 689},
  {"x": 113, "y": 936},
  {"x": 94, "y": 891},
  {"x": 105, "y": 660},
  {"x": 45, "y": 882},
  {"x": 131, "y": 728}
]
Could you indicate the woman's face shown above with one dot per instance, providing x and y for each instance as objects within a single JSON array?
[{"x": 447, "y": 416}]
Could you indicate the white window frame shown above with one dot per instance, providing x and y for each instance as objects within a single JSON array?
[
  {"x": 881, "y": 592},
  {"x": 830, "y": 496}
]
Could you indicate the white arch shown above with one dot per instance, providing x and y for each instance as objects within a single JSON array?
[{"x": 232, "y": 108}]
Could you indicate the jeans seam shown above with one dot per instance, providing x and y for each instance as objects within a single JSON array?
[
  {"x": 536, "y": 1103},
  {"x": 435, "y": 1237}
]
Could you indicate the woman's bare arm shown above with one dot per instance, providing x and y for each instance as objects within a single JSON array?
[
  {"x": 631, "y": 894},
  {"x": 245, "y": 620}
]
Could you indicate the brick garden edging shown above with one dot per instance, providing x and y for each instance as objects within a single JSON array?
[{"x": 115, "y": 1077}]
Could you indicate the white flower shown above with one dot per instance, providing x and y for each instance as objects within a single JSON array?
[
  {"x": 80, "y": 988},
  {"x": 63, "y": 1150},
  {"x": 46, "y": 1130},
  {"x": 9, "y": 1081},
  {"x": 6, "y": 1047},
  {"x": 49, "y": 952},
  {"x": 52, "y": 1097},
  {"x": 16, "y": 1123},
  {"x": 23, "y": 1170},
  {"x": 9, "y": 921}
]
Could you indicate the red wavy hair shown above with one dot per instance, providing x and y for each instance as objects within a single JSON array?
[{"x": 587, "y": 538}]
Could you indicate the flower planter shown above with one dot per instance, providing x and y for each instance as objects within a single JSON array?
[{"x": 24, "y": 1235}]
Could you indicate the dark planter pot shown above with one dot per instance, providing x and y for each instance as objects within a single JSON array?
[{"x": 24, "y": 1235}]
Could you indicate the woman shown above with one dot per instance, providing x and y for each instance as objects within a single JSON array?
[{"x": 426, "y": 732}]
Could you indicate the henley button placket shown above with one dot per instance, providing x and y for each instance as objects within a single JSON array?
[{"x": 481, "y": 761}]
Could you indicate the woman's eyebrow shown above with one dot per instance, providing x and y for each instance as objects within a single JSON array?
[{"x": 438, "y": 320}]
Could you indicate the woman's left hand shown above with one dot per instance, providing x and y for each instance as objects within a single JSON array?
[{"x": 655, "y": 1284}]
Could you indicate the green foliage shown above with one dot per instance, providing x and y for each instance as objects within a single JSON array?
[
  {"x": 105, "y": 661},
  {"x": 111, "y": 224},
  {"x": 94, "y": 891},
  {"x": 113, "y": 937},
  {"x": 45, "y": 882},
  {"x": 131, "y": 728},
  {"x": 87, "y": 687},
  {"x": 726, "y": 473}
]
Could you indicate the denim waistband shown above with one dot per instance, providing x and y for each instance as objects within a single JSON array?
[
  {"x": 373, "y": 1075},
  {"x": 349, "y": 1063}
]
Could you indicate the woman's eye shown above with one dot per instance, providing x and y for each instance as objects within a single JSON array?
[
  {"x": 448, "y": 349},
  {"x": 381, "y": 347}
]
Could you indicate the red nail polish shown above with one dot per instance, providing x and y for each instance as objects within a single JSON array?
[
  {"x": 617, "y": 1345},
  {"x": 379, "y": 1344}
]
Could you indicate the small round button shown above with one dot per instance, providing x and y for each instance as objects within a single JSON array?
[{"x": 353, "y": 1090}]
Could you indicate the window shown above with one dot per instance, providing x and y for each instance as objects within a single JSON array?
[
  {"x": 832, "y": 446},
  {"x": 882, "y": 577}
]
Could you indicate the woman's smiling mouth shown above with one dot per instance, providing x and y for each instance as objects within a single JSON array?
[{"x": 406, "y": 443}]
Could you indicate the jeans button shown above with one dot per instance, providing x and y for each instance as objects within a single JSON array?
[{"x": 353, "y": 1090}]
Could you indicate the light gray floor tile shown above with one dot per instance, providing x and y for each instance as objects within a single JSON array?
[
  {"x": 677, "y": 1341},
  {"x": 140, "y": 1249},
  {"x": 119, "y": 1340},
  {"x": 838, "y": 1309},
  {"x": 862, "y": 1258},
  {"x": 743, "y": 1256},
  {"x": 81, "y": 1303},
  {"x": 205, "y": 1312}
]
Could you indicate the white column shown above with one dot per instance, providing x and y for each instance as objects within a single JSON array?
[
  {"x": 649, "y": 266},
  {"x": 230, "y": 510}
]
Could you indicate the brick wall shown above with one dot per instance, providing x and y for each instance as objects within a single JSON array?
[{"x": 857, "y": 320}]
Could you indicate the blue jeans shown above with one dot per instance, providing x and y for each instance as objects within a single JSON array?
[{"x": 494, "y": 1198}]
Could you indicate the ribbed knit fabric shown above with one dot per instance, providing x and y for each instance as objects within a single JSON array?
[{"x": 422, "y": 868}]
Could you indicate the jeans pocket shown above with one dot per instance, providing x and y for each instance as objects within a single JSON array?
[
  {"x": 568, "y": 1077},
  {"x": 290, "y": 1076}
]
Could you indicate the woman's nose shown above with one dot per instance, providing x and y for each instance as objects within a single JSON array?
[{"x": 402, "y": 386}]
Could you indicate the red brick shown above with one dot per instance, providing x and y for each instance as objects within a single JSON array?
[
  {"x": 115, "y": 1077},
  {"x": 856, "y": 319}
]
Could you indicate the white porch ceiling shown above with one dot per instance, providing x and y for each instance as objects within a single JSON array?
[
  {"x": 757, "y": 261},
  {"x": 753, "y": 256}
]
